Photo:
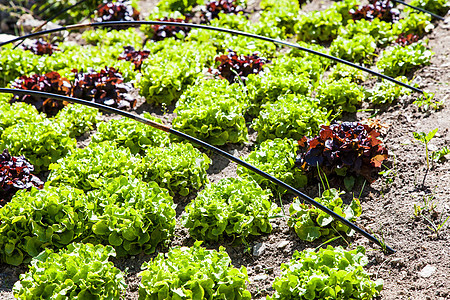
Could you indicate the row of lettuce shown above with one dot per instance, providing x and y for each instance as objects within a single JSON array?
[{"x": 118, "y": 190}]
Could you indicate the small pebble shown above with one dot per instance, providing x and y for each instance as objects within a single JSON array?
[
  {"x": 258, "y": 249},
  {"x": 282, "y": 244},
  {"x": 427, "y": 271}
]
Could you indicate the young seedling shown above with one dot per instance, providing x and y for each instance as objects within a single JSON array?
[
  {"x": 425, "y": 138},
  {"x": 436, "y": 227}
]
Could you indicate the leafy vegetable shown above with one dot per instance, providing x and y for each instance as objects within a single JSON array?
[
  {"x": 39, "y": 219},
  {"x": 161, "y": 32},
  {"x": 398, "y": 60},
  {"x": 193, "y": 273},
  {"x": 51, "y": 83},
  {"x": 267, "y": 87},
  {"x": 342, "y": 94},
  {"x": 77, "y": 119},
  {"x": 380, "y": 9},
  {"x": 11, "y": 114},
  {"x": 425, "y": 139},
  {"x": 311, "y": 223},
  {"x": 120, "y": 10},
  {"x": 182, "y": 6},
  {"x": 105, "y": 87},
  {"x": 379, "y": 30},
  {"x": 331, "y": 273},
  {"x": 213, "y": 111},
  {"x": 344, "y": 149},
  {"x": 42, "y": 142},
  {"x": 300, "y": 66},
  {"x": 50, "y": 8},
  {"x": 358, "y": 49},
  {"x": 169, "y": 71},
  {"x": 405, "y": 40},
  {"x": 90, "y": 167},
  {"x": 132, "y": 134},
  {"x": 39, "y": 47},
  {"x": 276, "y": 157},
  {"x": 340, "y": 71},
  {"x": 111, "y": 37},
  {"x": 180, "y": 168},
  {"x": 232, "y": 207},
  {"x": 292, "y": 116},
  {"x": 80, "y": 272},
  {"x": 15, "y": 175},
  {"x": 416, "y": 23},
  {"x": 385, "y": 92},
  {"x": 129, "y": 214},
  {"x": 213, "y": 8},
  {"x": 235, "y": 68},
  {"x": 321, "y": 26},
  {"x": 281, "y": 13},
  {"x": 439, "y": 7}
]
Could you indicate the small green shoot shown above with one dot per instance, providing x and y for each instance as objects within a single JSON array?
[
  {"x": 425, "y": 138},
  {"x": 436, "y": 227},
  {"x": 426, "y": 102},
  {"x": 438, "y": 155}
]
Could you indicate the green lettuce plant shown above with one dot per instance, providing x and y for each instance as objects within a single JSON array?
[
  {"x": 358, "y": 49},
  {"x": 180, "y": 168},
  {"x": 267, "y": 87},
  {"x": 42, "y": 142},
  {"x": 77, "y": 119},
  {"x": 38, "y": 219},
  {"x": 233, "y": 207},
  {"x": 292, "y": 116},
  {"x": 82, "y": 271},
  {"x": 131, "y": 134},
  {"x": 311, "y": 223},
  {"x": 131, "y": 215},
  {"x": 193, "y": 273},
  {"x": 398, "y": 60},
  {"x": 439, "y": 7},
  {"x": 276, "y": 157},
  {"x": 342, "y": 94},
  {"x": 319, "y": 26},
  {"x": 118, "y": 38},
  {"x": 414, "y": 22},
  {"x": 292, "y": 65},
  {"x": 340, "y": 71},
  {"x": 172, "y": 66},
  {"x": 213, "y": 111},
  {"x": 331, "y": 273},
  {"x": 19, "y": 112},
  {"x": 386, "y": 92},
  {"x": 377, "y": 29},
  {"x": 282, "y": 14},
  {"x": 90, "y": 167}
]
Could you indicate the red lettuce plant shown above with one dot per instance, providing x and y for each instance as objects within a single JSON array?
[
  {"x": 116, "y": 11},
  {"x": 40, "y": 47},
  {"x": 233, "y": 66},
  {"x": 405, "y": 40},
  {"x": 15, "y": 174},
  {"x": 104, "y": 87},
  {"x": 160, "y": 32},
  {"x": 381, "y": 9},
  {"x": 135, "y": 56},
  {"x": 343, "y": 149},
  {"x": 51, "y": 82},
  {"x": 213, "y": 8}
]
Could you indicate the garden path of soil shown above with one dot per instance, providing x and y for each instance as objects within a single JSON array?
[{"x": 420, "y": 269}]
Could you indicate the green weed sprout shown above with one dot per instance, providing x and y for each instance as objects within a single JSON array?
[{"x": 425, "y": 138}]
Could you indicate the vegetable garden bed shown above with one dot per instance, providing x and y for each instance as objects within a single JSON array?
[{"x": 147, "y": 197}]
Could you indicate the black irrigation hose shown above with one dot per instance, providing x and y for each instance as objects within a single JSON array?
[
  {"x": 207, "y": 146},
  {"x": 226, "y": 30},
  {"x": 420, "y": 9}
]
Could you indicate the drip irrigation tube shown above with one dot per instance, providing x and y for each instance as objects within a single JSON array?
[
  {"x": 226, "y": 30},
  {"x": 185, "y": 136},
  {"x": 420, "y": 9}
]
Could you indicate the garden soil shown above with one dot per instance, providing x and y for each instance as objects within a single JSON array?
[{"x": 403, "y": 208}]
